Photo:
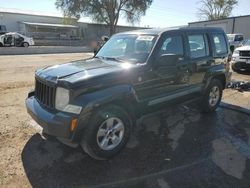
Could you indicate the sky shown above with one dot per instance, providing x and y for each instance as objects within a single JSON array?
[{"x": 162, "y": 13}]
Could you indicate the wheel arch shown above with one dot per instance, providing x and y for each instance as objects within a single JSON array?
[
  {"x": 129, "y": 106},
  {"x": 25, "y": 42},
  {"x": 219, "y": 76},
  {"x": 121, "y": 95},
  {"x": 222, "y": 78}
]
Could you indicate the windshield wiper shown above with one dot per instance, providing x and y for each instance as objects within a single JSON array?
[{"x": 109, "y": 58}]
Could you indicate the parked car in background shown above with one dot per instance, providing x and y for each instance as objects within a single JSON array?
[
  {"x": 244, "y": 42},
  {"x": 94, "y": 103},
  {"x": 15, "y": 39},
  {"x": 241, "y": 57},
  {"x": 235, "y": 40}
]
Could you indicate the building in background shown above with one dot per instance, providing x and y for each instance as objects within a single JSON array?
[
  {"x": 239, "y": 24},
  {"x": 51, "y": 29}
]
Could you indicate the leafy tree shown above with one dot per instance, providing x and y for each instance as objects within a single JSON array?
[
  {"x": 68, "y": 20},
  {"x": 216, "y": 9},
  {"x": 106, "y": 11}
]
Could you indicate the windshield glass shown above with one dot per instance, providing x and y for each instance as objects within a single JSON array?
[
  {"x": 247, "y": 43},
  {"x": 132, "y": 48},
  {"x": 230, "y": 38}
]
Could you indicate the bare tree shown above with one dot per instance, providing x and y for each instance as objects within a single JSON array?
[
  {"x": 216, "y": 9},
  {"x": 106, "y": 11}
]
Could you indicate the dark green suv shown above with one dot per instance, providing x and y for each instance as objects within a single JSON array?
[{"x": 94, "y": 103}]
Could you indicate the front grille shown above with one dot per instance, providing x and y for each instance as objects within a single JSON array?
[
  {"x": 245, "y": 53},
  {"x": 45, "y": 94}
]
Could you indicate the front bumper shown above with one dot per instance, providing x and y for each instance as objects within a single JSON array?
[
  {"x": 53, "y": 122},
  {"x": 240, "y": 65},
  {"x": 240, "y": 62}
]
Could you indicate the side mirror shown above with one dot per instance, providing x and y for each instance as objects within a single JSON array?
[{"x": 168, "y": 60}]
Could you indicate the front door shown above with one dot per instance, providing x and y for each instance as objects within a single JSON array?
[{"x": 169, "y": 72}]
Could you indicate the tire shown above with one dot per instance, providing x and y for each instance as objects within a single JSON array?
[
  {"x": 236, "y": 69},
  {"x": 232, "y": 49},
  {"x": 25, "y": 44},
  {"x": 212, "y": 97},
  {"x": 110, "y": 140},
  {"x": 1, "y": 45}
]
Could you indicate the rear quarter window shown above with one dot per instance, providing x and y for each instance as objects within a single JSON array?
[
  {"x": 220, "y": 43},
  {"x": 2, "y": 28}
]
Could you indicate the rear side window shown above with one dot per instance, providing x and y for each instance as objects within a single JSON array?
[
  {"x": 220, "y": 43},
  {"x": 239, "y": 38},
  {"x": 197, "y": 46}
]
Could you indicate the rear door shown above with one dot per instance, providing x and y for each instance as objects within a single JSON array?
[
  {"x": 221, "y": 50},
  {"x": 200, "y": 57}
]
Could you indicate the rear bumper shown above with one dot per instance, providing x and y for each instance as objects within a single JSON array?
[{"x": 54, "y": 123}]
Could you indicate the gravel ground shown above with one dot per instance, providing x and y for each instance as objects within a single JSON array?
[
  {"x": 16, "y": 79},
  {"x": 17, "y": 129},
  {"x": 235, "y": 97}
]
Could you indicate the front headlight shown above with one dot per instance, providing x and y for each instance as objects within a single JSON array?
[
  {"x": 236, "y": 53},
  {"x": 62, "y": 98},
  {"x": 62, "y": 102}
]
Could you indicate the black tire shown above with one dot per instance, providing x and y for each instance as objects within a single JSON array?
[
  {"x": 25, "y": 44},
  {"x": 232, "y": 49},
  {"x": 89, "y": 141},
  {"x": 206, "y": 105},
  {"x": 236, "y": 69},
  {"x": 1, "y": 45}
]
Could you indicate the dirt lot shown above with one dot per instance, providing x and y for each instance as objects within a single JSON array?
[
  {"x": 16, "y": 130},
  {"x": 16, "y": 79}
]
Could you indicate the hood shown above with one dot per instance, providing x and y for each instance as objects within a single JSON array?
[
  {"x": 81, "y": 70},
  {"x": 243, "y": 48}
]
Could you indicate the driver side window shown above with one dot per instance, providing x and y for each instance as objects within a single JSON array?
[{"x": 172, "y": 45}]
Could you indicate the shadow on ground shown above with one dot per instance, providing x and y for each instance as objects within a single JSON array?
[{"x": 178, "y": 147}]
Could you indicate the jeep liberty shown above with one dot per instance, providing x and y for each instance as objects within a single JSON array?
[{"x": 94, "y": 103}]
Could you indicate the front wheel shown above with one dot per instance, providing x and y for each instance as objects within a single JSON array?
[
  {"x": 235, "y": 69},
  {"x": 25, "y": 44},
  {"x": 212, "y": 96},
  {"x": 107, "y": 132}
]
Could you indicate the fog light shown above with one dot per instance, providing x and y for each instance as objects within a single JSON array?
[{"x": 73, "y": 125}]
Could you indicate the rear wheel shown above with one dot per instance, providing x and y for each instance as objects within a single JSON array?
[
  {"x": 212, "y": 96},
  {"x": 107, "y": 132}
]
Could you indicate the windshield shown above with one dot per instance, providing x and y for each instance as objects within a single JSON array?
[
  {"x": 230, "y": 38},
  {"x": 246, "y": 43},
  {"x": 132, "y": 48}
]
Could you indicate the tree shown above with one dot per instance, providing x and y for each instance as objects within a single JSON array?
[
  {"x": 106, "y": 11},
  {"x": 68, "y": 20},
  {"x": 216, "y": 9}
]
